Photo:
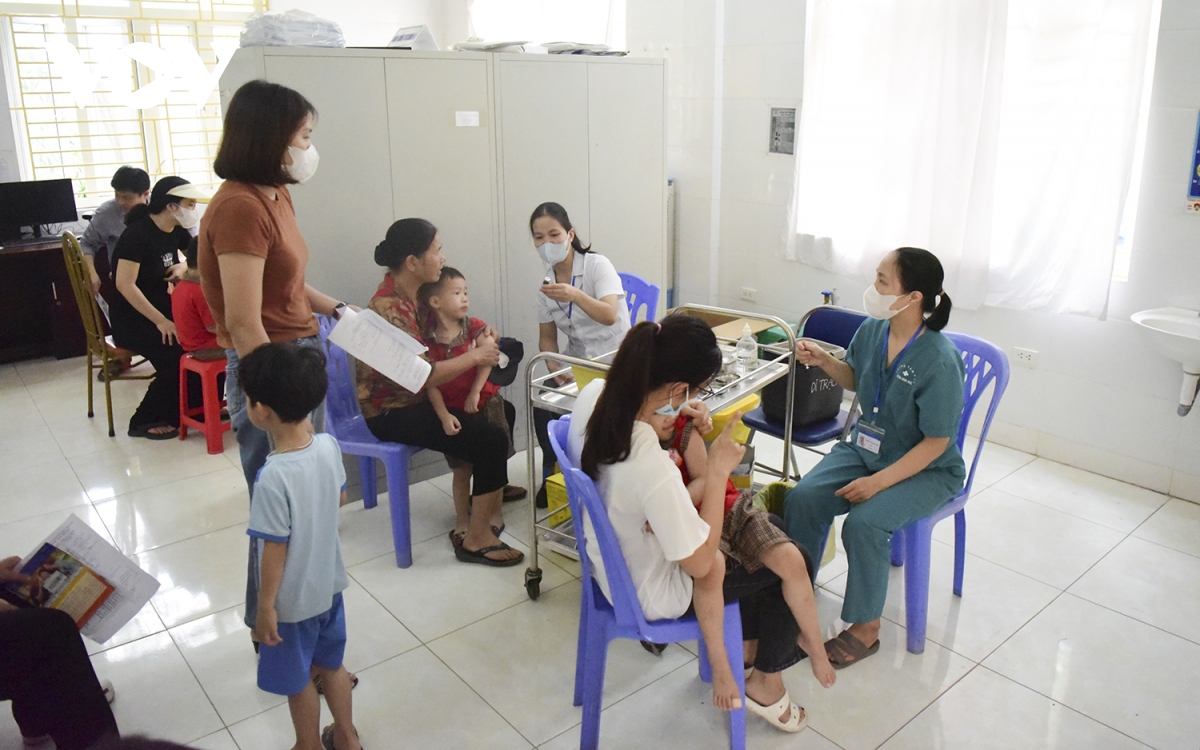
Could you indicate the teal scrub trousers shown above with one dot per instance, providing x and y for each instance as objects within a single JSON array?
[{"x": 811, "y": 506}]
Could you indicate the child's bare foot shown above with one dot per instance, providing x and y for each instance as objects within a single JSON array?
[
  {"x": 823, "y": 670},
  {"x": 726, "y": 695}
]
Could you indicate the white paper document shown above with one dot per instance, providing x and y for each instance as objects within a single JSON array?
[
  {"x": 383, "y": 346},
  {"x": 133, "y": 586}
]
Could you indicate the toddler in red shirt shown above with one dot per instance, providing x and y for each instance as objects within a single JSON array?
[
  {"x": 194, "y": 323},
  {"x": 449, "y": 332}
]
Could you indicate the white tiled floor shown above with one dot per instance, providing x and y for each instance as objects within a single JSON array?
[{"x": 1077, "y": 629}]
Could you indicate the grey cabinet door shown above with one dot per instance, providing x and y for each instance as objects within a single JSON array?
[
  {"x": 543, "y": 138},
  {"x": 442, "y": 170},
  {"x": 345, "y": 208},
  {"x": 627, "y": 153}
]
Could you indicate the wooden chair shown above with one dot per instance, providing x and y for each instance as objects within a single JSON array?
[{"x": 99, "y": 346}]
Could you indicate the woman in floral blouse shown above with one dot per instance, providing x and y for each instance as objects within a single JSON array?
[{"x": 412, "y": 254}]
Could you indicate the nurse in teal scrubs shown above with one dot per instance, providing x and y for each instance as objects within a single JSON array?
[{"x": 903, "y": 462}]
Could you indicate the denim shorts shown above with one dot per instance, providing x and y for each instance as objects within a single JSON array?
[{"x": 286, "y": 668}]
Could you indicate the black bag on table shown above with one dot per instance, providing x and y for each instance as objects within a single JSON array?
[{"x": 818, "y": 396}]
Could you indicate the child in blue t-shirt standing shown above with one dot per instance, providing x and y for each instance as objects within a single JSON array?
[{"x": 301, "y": 623}]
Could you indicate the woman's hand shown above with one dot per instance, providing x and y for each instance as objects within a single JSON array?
[
  {"x": 564, "y": 377},
  {"x": 861, "y": 489},
  {"x": 810, "y": 354},
  {"x": 700, "y": 415},
  {"x": 563, "y": 293},
  {"x": 451, "y": 425},
  {"x": 176, "y": 272},
  {"x": 724, "y": 454},
  {"x": 167, "y": 329},
  {"x": 485, "y": 354},
  {"x": 9, "y": 573}
]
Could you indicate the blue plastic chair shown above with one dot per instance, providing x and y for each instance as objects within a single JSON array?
[
  {"x": 344, "y": 421},
  {"x": 986, "y": 364},
  {"x": 600, "y": 621},
  {"x": 639, "y": 294},
  {"x": 833, "y": 325}
]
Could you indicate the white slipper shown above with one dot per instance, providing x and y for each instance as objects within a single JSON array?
[{"x": 797, "y": 717}]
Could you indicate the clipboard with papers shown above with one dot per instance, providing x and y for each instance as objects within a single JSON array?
[{"x": 371, "y": 339}]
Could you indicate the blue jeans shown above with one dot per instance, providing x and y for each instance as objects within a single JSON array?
[{"x": 254, "y": 445}]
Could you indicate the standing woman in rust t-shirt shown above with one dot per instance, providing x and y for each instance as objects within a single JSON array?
[{"x": 252, "y": 256}]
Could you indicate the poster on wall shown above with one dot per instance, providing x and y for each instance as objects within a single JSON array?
[
  {"x": 1193, "y": 201},
  {"x": 783, "y": 130}
]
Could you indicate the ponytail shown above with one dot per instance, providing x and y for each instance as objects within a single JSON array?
[
  {"x": 610, "y": 429},
  {"x": 941, "y": 314},
  {"x": 682, "y": 349},
  {"x": 921, "y": 271}
]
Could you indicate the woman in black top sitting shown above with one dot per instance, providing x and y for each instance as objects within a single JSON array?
[{"x": 145, "y": 260}]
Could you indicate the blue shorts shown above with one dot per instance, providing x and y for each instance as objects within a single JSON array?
[{"x": 286, "y": 668}]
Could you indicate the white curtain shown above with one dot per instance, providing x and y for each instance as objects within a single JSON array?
[{"x": 999, "y": 134}]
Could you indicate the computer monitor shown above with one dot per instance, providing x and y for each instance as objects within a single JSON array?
[{"x": 34, "y": 203}]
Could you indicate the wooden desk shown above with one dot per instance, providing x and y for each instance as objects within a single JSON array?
[{"x": 38, "y": 314}]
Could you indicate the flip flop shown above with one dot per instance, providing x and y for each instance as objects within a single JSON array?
[
  {"x": 845, "y": 650},
  {"x": 654, "y": 648},
  {"x": 797, "y": 718},
  {"x": 144, "y": 432},
  {"x": 498, "y": 530},
  {"x": 512, "y": 493},
  {"x": 327, "y": 738},
  {"x": 456, "y": 538},
  {"x": 480, "y": 556}
]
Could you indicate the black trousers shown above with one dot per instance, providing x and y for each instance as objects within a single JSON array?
[
  {"x": 541, "y": 427},
  {"x": 479, "y": 443},
  {"x": 160, "y": 405},
  {"x": 46, "y": 673}
]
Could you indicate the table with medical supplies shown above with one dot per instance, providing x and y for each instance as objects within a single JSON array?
[{"x": 553, "y": 527}]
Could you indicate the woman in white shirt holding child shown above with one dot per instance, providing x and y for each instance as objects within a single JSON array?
[{"x": 672, "y": 552}]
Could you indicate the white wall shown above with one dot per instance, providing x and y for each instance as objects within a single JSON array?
[
  {"x": 367, "y": 23},
  {"x": 1100, "y": 399}
]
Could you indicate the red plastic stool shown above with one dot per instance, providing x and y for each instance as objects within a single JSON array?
[{"x": 212, "y": 426}]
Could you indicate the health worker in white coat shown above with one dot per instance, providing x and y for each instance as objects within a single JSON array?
[{"x": 581, "y": 296}]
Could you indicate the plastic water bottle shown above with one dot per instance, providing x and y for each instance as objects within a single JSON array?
[{"x": 746, "y": 353}]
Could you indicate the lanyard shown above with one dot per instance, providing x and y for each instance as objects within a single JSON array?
[
  {"x": 886, "y": 377},
  {"x": 571, "y": 307}
]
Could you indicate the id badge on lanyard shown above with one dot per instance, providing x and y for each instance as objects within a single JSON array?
[
  {"x": 570, "y": 309},
  {"x": 870, "y": 434}
]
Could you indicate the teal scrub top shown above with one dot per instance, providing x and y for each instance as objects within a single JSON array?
[{"x": 921, "y": 396}]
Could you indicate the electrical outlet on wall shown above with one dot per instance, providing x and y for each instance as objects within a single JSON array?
[
  {"x": 748, "y": 294},
  {"x": 1027, "y": 358}
]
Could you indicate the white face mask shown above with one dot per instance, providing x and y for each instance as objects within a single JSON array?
[
  {"x": 879, "y": 305},
  {"x": 304, "y": 163},
  {"x": 187, "y": 217},
  {"x": 553, "y": 253}
]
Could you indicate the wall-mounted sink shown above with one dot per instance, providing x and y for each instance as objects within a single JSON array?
[{"x": 1175, "y": 332}]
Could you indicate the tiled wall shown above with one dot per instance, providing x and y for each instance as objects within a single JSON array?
[{"x": 1100, "y": 398}]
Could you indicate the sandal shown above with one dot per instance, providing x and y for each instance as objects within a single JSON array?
[
  {"x": 321, "y": 688},
  {"x": 457, "y": 537},
  {"x": 144, "y": 432},
  {"x": 512, "y": 493},
  {"x": 845, "y": 650},
  {"x": 654, "y": 648},
  {"x": 797, "y": 718},
  {"x": 480, "y": 556},
  {"x": 498, "y": 530},
  {"x": 327, "y": 738}
]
